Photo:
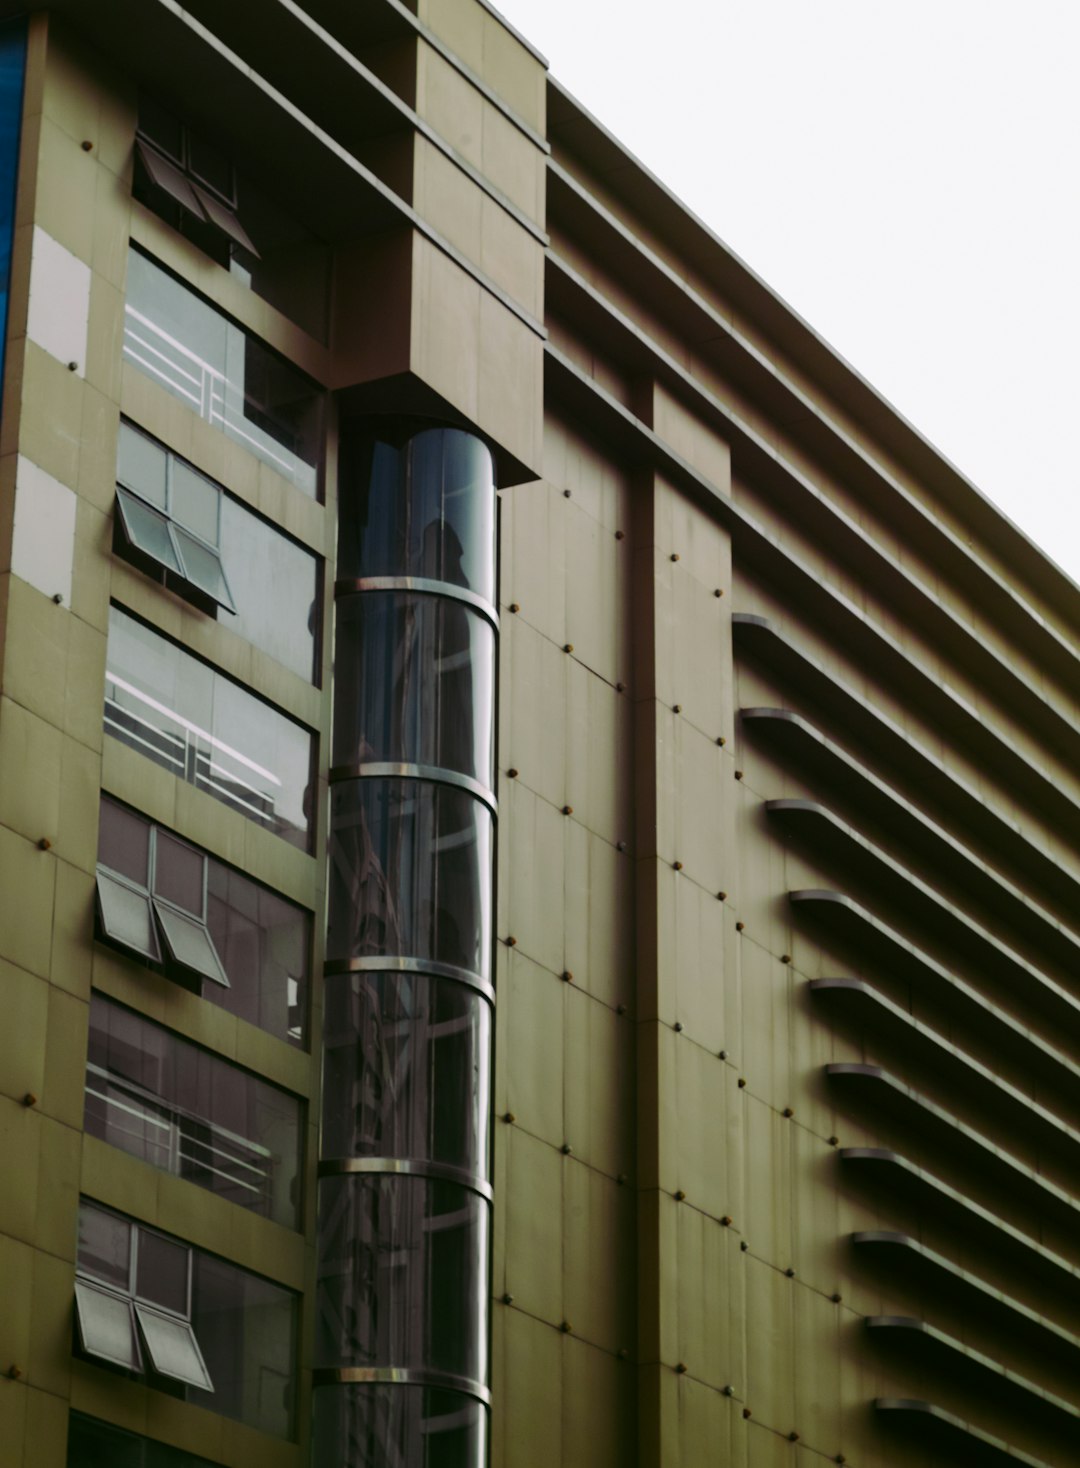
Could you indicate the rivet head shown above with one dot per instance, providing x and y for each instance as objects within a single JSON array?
[
  {"x": 515, "y": 607},
  {"x": 58, "y": 598},
  {"x": 676, "y": 708},
  {"x": 721, "y": 1055},
  {"x": 726, "y": 1220},
  {"x": 785, "y": 958},
  {"x": 738, "y": 774},
  {"x": 73, "y": 366},
  {"x": 87, "y": 145},
  {"x": 677, "y": 1027},
  {"x": 621, "y": 1179},
  {"x": 29, "y": 1099},
  {"x": 566, "y": 1149},
  {"x": 718, "y": 592},
  {"x": 744, "y": 1246},
  {"x": 568, "y": 810},
  {"x": 509, "y": 1118},
  {"x": 674, "y": 555},
  {"x": 747, "y": 1412},
  {"x": 793, "y": 1436},
  {"x": 839, "y": 1458},
  {"x": 620, "y": 535},
  {"x": 788, "y": 1111},
  {"x": 836, "y": 1298},
  {"x": 44, "y": 844},
  {"x": 511, "y": 942},
  {"x": 742, "y": 1082},
  {"x": 623, "y": 1353},
  {"x": 566, "y": 1327},
  {"x": 512, "y": 774},
  {"x": 721, "y": 897},
  {"x": 620, "y": 687},
  {"x": 834, "y": 1141},
  {"x": 566, "y": 494},
  {"x": 680, "y": 1196},
  {"x": 620, "y": 1009},
  {"x": 508, "y": 1298},
  {"x": 682, "y": 1368},
  {"x": 789, "y": 1272},
  {"x": 568, "y": 647},
  {"x": 740, "y": 927},
  {"x": 677, "y": 865},
  {"x": 568, "y": 977},
  {"x": 729, "y": 1391},
  {"x": 620, "y": 846},
  {"x": 721, "y": 740},
  {"x": 14, "y": 1371}
]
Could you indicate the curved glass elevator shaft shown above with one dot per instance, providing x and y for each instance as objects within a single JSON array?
[{"x": 401, "y": 1349}]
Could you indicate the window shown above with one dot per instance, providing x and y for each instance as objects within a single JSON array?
[
  {"x": 133, "y": 1300},
  {"x": 260, "y": 941},
  {"x": 94, "y": 1444},
  {"x": 181, "y": 527},
  {"x": 224, "y": 374},
  {"x": 182, "y": 1109},
  {"x": 194, "y": 187},
  {"x": 207, "y": 730},
  {"x": 153, "y": 1306}
]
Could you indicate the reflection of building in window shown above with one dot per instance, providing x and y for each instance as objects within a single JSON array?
[
  {"x": 254, "y": 946},
  {"x": 206, "y": 729},
  {"x": 189, "y": 1112}
]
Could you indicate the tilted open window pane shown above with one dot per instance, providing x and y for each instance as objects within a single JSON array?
[
  {"x": 188, "y": 944},
  {"x": 166, "y": 175},
  {"x": 106, "y": 1327},
  {"x": 172, "y": 1348},
  {"x": 126, "y": 917},
  {"x": 147, "y": 531},
  {"x": 202, "y": 567}
]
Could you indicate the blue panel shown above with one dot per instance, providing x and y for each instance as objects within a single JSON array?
[{"x": 12, "y": 70}]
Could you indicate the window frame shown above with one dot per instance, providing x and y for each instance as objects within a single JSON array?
[
  {"x": 200, "y": 196},
  {"x": 138, "y": 1306}
]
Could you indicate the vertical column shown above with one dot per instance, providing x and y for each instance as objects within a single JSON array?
[{"x": 404, "y": 1177}]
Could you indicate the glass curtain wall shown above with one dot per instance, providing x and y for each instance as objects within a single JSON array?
[{"x": 405, "y": 1189}]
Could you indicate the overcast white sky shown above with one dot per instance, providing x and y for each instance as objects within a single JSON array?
[{"x": 905, "y": 173}]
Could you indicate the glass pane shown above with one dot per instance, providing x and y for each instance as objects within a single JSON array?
[
  {"x": 126, "y": 917},
  {"x": 246, "y": 1327},
  {"x": 106, "y": 1328},
  {"x": 407, "y": 1069},
  {"x": 206, "y": 729},
  {"x": 202, "y": 567},
  {"x": 415, "y": 682},
  {"x": 228, "y": 378},
  {"x": 105, "y": 1246},
  {"x": 194, "y": 501},
  {"x": 225, "y": 219},
  {"x": 161, "y": 1271},
  {"x": 275, "y": 587},
  {"x": 146, "y": 530},
  {"x": 419, "y": 505},
  {"x": 186, "y": 1111},
  {"x": 188, "y": 943},
  {"x": 172, "y": 1348},
  {"x": 374, "y": 1425},
  {"x": 179, "y": 873},
  {"x": 93, "y": 1444},
  {"x": 165, "y": 175},
  {"x": 141, "y": 465},
  {"x": 161, "y": 128},
  {"x": 265, "y": 944},
  {"x": 210, "y": 166},
  {"x": 410, "y": 873},
  {"x": 124, "y": 841},
  {"x": 402, "y": 1275}
]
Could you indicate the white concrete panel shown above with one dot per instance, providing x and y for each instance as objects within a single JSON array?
[
  {"x": 59, "y": 301},
  {"x": 43, "y": 540}
]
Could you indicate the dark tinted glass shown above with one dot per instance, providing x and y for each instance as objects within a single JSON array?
[
  {"x": 415, "y": 682},
  {"x": 402, "y": 1275},
  {"x": 374, "y": 1425},
  {"x": 246, "y": 1328},
  {"x": 161, "y": 1272},
  {"x": 421, "y": 506},
  {"x": 124, "y": 842},
  {"x": 410, "y": 873},
  {"x": 93, "y": 1444},
  {"x": 179, "y": 874},
  {"x": 406, "y": 1071}
]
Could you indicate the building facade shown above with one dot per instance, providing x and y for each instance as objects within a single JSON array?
[{"x": 539, "y": 819}]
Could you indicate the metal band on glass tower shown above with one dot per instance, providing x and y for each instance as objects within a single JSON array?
[{"x": 404, "y": 1178}]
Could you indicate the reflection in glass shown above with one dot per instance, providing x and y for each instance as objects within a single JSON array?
[
  {"x": 406, "y": 1069},
  {"x": 375, "y": 1425},
  {"x": 207, "y": 730},
  {"x": 226, "y": 376},
  {"x": 188, "y": 1112},
  {"x": 410, "y": 873},
  {"x": 419, "y": 505},
  {"x": 402, "y": 1275},
  {"x": 415, "y": 683}
]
